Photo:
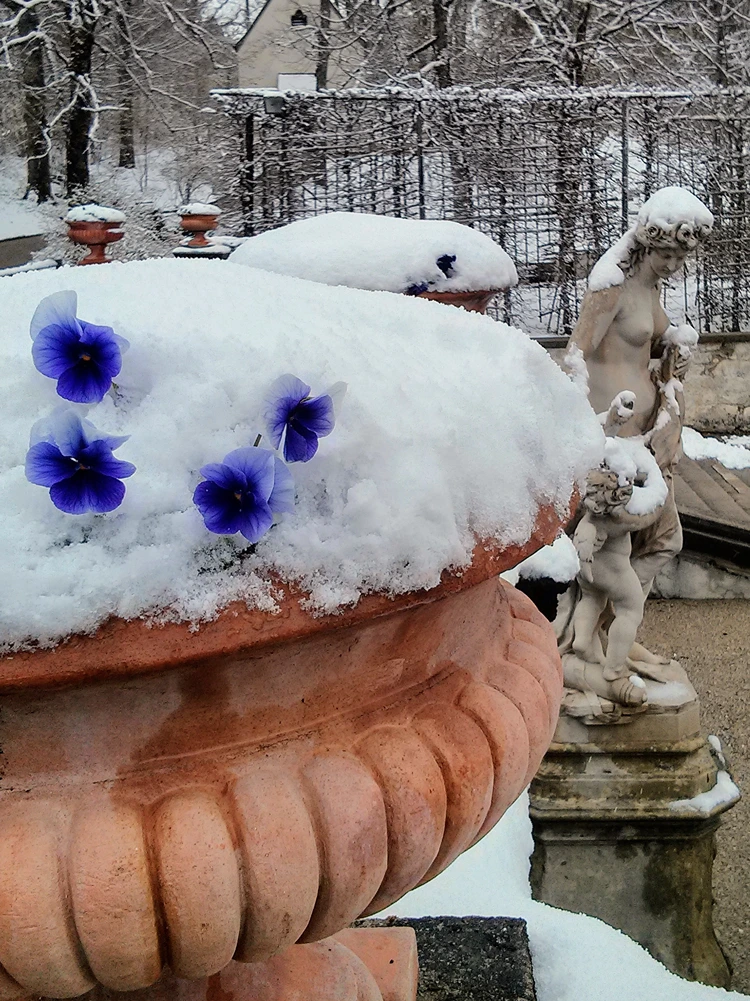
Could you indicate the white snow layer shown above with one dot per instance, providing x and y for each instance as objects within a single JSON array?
[
  {"x": 723, "y": 791},
  {"x": 199, "y": 208},
  {"x": 454, "y": 427},
  {"x": 609, "y": 270},
  {"x": 559, "y": 562},
  {"x": 632, "y": 461},
  {"x": 379, "y": 252},
  {"x": 94, "y": 213},
  {"x": 733, "y": 456},
  {"x": 672, "y": 205},
  {"x": 575, "y": 957}
]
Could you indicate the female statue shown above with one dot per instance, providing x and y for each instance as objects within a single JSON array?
[{"x": 632, "y": 352}]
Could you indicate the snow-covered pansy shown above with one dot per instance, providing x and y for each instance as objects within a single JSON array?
[
  {"x": 298, "y": 419},
  {"x": 83, "y": 357},
  {"x": 68, "y": 455},
  {"x": 242, "y": 493}
]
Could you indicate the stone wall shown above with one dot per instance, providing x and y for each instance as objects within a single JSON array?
[{"x": 717, "y": 387}]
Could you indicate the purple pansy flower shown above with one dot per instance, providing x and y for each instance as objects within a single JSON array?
[
  {"x": 83, "y": 357},
  {"x": 242, "y": 493},
  {"x": 445, "y": 263},
  {"x": 69, "y": 456},
  {"x": 296, "y": 417}
]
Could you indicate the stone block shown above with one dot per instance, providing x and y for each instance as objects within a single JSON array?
[{"x": 470, "y": 959}]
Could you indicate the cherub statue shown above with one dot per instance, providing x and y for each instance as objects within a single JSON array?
[
  {"x": 597, "y": 631},
  {"x": 633, "y": 359}
]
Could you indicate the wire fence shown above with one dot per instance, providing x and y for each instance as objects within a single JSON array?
[{"x": 554, "y": 177}]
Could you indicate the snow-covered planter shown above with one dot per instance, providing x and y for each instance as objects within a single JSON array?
[
  {"x": 256, "y": 689},
  {"x": 198, "y": 218},
  {"x": 95, "y": 226},
  {"x": 431, "y": 259}
]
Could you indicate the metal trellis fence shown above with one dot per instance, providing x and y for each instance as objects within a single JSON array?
[{"x": 555, "y": 177}]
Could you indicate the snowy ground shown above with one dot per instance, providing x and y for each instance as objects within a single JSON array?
[
  {"x": 17, "y": 217},
  {"x": 576, "y": 957}
]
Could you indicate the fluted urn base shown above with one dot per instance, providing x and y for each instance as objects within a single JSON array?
[
  {"x": 181, "y": 800},
  {"x": 358, "y": 964}
]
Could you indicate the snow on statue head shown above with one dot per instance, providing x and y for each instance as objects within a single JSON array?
[{"x": 673, "y": 219}]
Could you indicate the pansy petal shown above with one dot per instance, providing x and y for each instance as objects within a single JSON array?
[
  {"x": 224, "y": 476},
  {"x": 84, "y": 382},
  {"x": 283, "y": 396},
  {"x": 87, "y": 491},
  {"x": 219, "y": 508},
  {"x": 56, "y": 309},
  {"x": 255, "y": 521},
  {"x": 67, "y": 430},
  {"x": 122, "y": 342},
  {"x": 300, "y": 445},
  {"x": 103, "y": 348},
  {"x": 337, "y": 392},
  {"x": 98, "y": 456},
  {"x": 55, "y": 350},
  {"x": 316, "y": 415},
  {"x": 46, "y": 465},
  {"x": 282, "y": 495},
  {"x": 112, "y": 441},
  {"x": 256, "y": 464}
]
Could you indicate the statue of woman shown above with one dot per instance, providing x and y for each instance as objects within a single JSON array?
[{"x": 631, "y": 350}]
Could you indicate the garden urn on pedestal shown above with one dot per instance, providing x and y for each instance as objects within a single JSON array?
[
  {"x": 246, "y": 701},
  {"x": 95, "y": 226}
]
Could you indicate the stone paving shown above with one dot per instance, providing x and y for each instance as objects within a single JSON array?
[{"x": 711, "y": 639}]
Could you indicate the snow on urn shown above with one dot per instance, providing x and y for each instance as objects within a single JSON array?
[
  {"x": 278, "y": 683},
  {"x": 429, "y": 259}
]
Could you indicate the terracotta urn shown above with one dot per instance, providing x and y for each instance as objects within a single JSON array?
[
  {"x": 194, "y": 813},
  {"x": 474, "y": 302},
  {"x": 96, "y": 236},
  {"x": 198, "y": 223}
]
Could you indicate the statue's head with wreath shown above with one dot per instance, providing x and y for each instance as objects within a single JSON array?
[{"x": 670, "y": 225}]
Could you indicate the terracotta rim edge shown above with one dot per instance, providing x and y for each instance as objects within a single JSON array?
[{"x": 130, "y": 647}]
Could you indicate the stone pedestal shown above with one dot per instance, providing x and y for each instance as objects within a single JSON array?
[{"x": 624, "y": 819}]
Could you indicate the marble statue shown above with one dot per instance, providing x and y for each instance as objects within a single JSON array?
[{"x": 632, "y": 359}]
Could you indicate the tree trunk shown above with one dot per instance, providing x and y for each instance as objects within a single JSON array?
[
  {"x": 443, "y": 74},
  {"x": 324, "y": 44},
  {"x": 34, "y": 111},
  {"x": 721, "y": 60},
  {"x": 81, "y": 28},
  {"x": 125, "y": 88}
]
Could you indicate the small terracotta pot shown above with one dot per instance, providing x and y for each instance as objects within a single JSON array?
[
  {"x": 200, "y": 225},
  {"x": 194, "y": 797},
  {"x": 95, "y": 236},
  {"x": 474, "y": 302}
]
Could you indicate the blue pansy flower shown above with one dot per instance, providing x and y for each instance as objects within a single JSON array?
[
  {"x": 296, "y": 417},
  {"x": 445, "y": 263},
  {"x": 75, "y": 461},
  {"x": 242, "y": 493},
  {"x": 83, "y": 357}
]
